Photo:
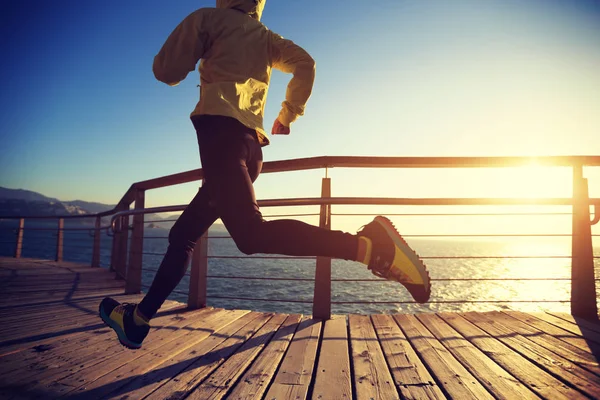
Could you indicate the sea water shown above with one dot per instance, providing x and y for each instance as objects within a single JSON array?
[{"x": 459, "y": 284}]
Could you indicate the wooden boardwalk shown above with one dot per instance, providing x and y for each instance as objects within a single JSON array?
[{"x": 53, "y": 345}]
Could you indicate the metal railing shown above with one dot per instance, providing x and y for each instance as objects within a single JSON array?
[
  {"x": 58, "y": 233},
  {"x": 128, "y": 240}
]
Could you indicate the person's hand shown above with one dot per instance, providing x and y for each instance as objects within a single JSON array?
[{"x": 280, "y": 129}]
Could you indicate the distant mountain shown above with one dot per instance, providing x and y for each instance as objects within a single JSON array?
[
  {"x": 27, "y": 195},
  {"x": 93, "y": 208},
  {"x": 14, "y": 202},
  {"x": 26, "y": 203},
  {"x": 19, "y": 202}
]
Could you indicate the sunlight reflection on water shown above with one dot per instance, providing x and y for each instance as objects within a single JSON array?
[{"x": 470, "y": 295}]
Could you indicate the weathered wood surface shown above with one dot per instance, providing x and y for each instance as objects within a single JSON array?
[{"x": 53, "y": 345}]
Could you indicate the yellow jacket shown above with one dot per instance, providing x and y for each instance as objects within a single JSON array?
[{"x": 237, "y": 53}]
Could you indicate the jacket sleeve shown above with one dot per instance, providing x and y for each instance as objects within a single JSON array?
[
  {"x": 182, "y": 50},
  {"x": 291, "y": 58}
]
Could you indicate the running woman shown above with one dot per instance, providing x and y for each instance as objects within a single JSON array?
[{"x": 237, "y": 53}]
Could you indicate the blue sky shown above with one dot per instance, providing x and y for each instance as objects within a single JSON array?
[{"x": 82, "y": 116}]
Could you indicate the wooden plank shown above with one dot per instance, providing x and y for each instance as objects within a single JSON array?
[
  {"x": 25, "y": 345},
  {"x": 65, "y": 314},
  {"x": 225, "y": 377},
  {"x": 535, "y": 378},
  {"x": 19, "y": 301},
  {"x": 453, "y": 378},
  {"x": 70, "y": 350},
  {"x": 333, "y": 379},
  {"x": 295, "y": 373},
  {"x": 60, "y": 288},
  {"x": 555, "y": 331},
  {"x": 64, "y": 362},
  {"x": 142, "y": 386},
  {"x": 560, "y": 367},
  {"x": 412, "y": 379},
  {"x": 493, "y": 377},
  {"x": 107, "y": 377},
  {"x": 64, "y": 365},
  {"x": 372, "y": 378},
  {"x": 562, "y": 348},
  {"x": 21, "y": 317},
  {"x": 591, "y": 325},
  {"x": 53, "y": 322},
  {"x": 58, "y": 329},
  {"x": 582, "y": 331},
  {"x": 255, "y": 381},
  {"x": 90, "y": 304},
  {"x": 223, "y": 346},
  {"x": 77, "y": 368}
]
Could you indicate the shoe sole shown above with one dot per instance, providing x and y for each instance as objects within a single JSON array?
[
  {"x": 120, "y": 333},
  {"x": 416, "y": 290}
]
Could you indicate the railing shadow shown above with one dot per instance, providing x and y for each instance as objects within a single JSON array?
[{"x": 125, "y": 385}]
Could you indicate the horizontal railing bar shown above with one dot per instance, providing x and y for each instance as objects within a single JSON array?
[
  {"x": 244, "y": 257},
  {"x": 382, "y": 280},
  {"x": 449, "y": 214},
  {"x": 291, "y": 215},
  {"x": 459, "y": 279},
  {"x": 260, "y": 278},
  {"x": 373, "y": 201},
  {"x": 348, "y": 162},
  {"x": 265, "y": 257},
  {"x": 428, "y": 162},
  {"x": 86, "y": 230},
  {"x": 155, "y": 237},
  {"x": 422, "y": 257},
  {"x": 45, "y": 217},
  {"x": 161, "y": 220},
  {"x": 486, "y": 257},
  {"x": 41, "y": 229},
  {"x": 466, "y": 201},
  {"x": 442, "y": 235},
  {"x": 259, "y": 299},
  {"x": 493, "y": 235},
  {"x": 452, "y": 301},
  {"x": 303, "y": 164}
]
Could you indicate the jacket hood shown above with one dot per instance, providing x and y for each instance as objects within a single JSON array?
[{"x": 253, "y": 8}]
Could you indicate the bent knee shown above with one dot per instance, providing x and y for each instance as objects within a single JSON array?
[
  {"x": 247, "y": 245},
  {"x": 179, "y": 239}
]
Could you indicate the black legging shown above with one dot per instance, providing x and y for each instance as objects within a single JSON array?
[{"x": 232, "y": 160}]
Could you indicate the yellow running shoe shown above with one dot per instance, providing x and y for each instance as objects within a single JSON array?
[
  {"x": 120, "y": 318},
  {"x": 393, "y": 259}
]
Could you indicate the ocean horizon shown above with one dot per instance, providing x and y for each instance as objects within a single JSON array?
[{"x": 476, "y": 284}]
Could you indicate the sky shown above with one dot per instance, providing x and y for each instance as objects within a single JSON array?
[{"x": 82, "y": 116}]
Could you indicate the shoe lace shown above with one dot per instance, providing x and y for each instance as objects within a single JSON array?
[
  {"x": 361, "y": 229},
  {"x": 125, "y": 308},
  {"x": 380, "y": 268}
]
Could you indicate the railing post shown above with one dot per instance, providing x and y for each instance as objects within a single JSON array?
[
  {"x": 122, "y": 239},
  {"x": 322, "y": 295},
  {"x": 583, "y": 283},
  {"x": 198, "y": 274},
  {"x": 114, "y": 251},
  {"x": 96, "y": 248},
  {"x": 19, "y": 244},
  {"x": 134, "y": 269},
  {"x": 59, "y": 239}
]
